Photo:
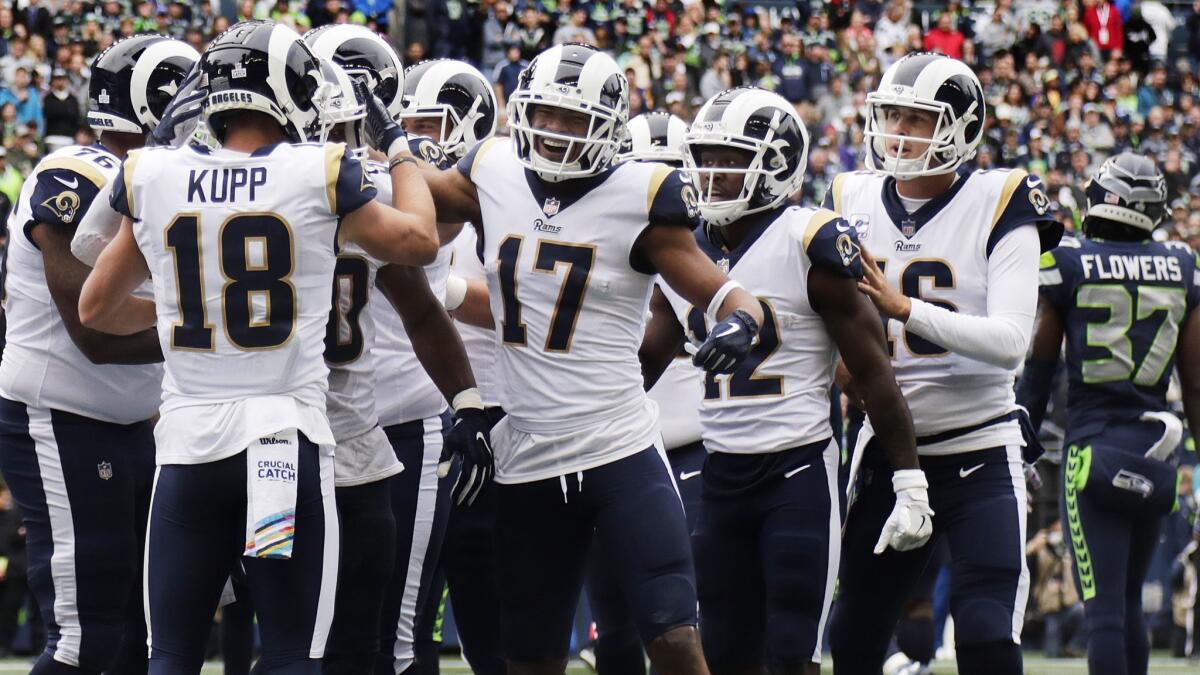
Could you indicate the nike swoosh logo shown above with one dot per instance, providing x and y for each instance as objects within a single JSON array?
[
  {"x": 74, "y": 184},
  {"x": 795, "y": 471},
  {"x": 685, "y": 475},
  {"x": 842, "y": 228},
  {"x": 728, "y": 331},
  {"x": 1033, "y": 182},
  {"x": 963, "y": 473}
]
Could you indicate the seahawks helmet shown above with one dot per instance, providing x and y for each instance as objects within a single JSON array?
[
  {"x": 654, "y": 137},
  {"x": 458, "y": 94},
  {"x": 936, "y": 84},
  {"x": 134, "y": 80},
  {"x": 761, "y": 123},
  {"x": 1128, "y": 189},
  {"x": 576, "y": 78},
  {"x": 265, "y": 67},
  {"x": 365, "y": 55}
]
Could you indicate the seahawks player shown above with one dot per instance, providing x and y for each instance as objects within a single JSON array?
[
  {"x": 950, "y": 261},
  {"x": 767, "y": 535},
  {"x": 417, "y": 345},
  {"x": 75, "y": 442},
  {"x": 242, "y": 272},
  {"x": 1126, "y": 305},
  {"x": 570, "y": 244}
]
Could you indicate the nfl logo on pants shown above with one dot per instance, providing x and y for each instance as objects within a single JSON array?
[{"x": 105, "y": 470}]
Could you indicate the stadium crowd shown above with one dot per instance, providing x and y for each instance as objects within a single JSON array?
[{"x": 1067, "y": 83}]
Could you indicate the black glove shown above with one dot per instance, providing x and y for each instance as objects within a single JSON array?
[
  {"x": 469, "y": 439},
  {"x": 728, "y": 343},
  {"x": 181, "y": 113},
  {"x": 383, "y": 133}
]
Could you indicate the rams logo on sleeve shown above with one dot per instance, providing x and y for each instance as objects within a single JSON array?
[
  {"x": 687, "y": 194},
  {"x": 430, "y": 152},
  {"x": 1037, "y": 196},
  {"x": 847, "y": 248},
  {"x": 64, "y": 205}
]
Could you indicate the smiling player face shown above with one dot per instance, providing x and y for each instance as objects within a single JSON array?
[{"x": 564, "y": 123}]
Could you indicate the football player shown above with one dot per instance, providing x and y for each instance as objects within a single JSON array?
[
  {"x": 950, "y": 260},
  {"x": 420, "y": 351},
  {"x": 570, "y": 244},
  {"x": 76, "y": 446},
  {"x": 241, "y": 249},
  {"x": 652, "y": 137},
  {"x": 1126, "y": 305},
  {"x": 767, "y": 535},
  {"x": 454, "y": 104}
]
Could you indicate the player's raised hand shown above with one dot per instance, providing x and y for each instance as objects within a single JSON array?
[
  {"x": 728, "y": 343},
  {"x": 889, "y": 301},
  {"x": 911, "y": 522},
  {"x": 469, "y": 438},
  {"x": 383, "y": 133},
  {"x": 181, "y": 114}
]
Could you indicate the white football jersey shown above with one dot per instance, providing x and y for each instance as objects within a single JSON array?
[
  {"x": 403, "y": 391},
  {"x": 939, "y": 254},
  {"x": 242, "y": 252},
  {"x": 570, "y": 308},
  {"x": 779, "y": 397},
  {"x": 480, "y": 343},
  {"x": 42, "y": 367}
]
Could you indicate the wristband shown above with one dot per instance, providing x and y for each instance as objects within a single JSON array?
[
  {"x": 401, "y": 160},
  {"x": 467, "y": 398},
  {"x": 398, "y": 146},
  {"x": 718, "y": 298},
  {"x": 456, "y": 292},
  {"x": 907, "y": 479}
]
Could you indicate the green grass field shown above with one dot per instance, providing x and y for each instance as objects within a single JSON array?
[{"x": 1033, "y": 666}]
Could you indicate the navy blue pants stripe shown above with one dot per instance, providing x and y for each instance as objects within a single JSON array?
[
  {"x": 196, "y": 538},
  {"x": 545, "y": 531},
  {"x": 421, "y": 505},
  {"x": 82, "y": 487},
  {"x": 978, "y": 500}
]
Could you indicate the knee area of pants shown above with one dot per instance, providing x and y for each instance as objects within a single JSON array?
[
  {"x": 664, "y": 603},
  {"x": 1100, "y": 622},
  {"x": 676, "y": 639},
  {"x": 981, "y": 621}
]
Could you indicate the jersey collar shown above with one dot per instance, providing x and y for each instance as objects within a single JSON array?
[
  {"x": 910, "y": 223},
  {"x": 554, "y": 198},
  {"x": 712, "y": 244}
]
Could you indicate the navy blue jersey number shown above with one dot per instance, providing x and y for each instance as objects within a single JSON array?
[
  {"x": 579, "y": 261},
  {"x": 343, "y": 331},
  {"x": 746, "y": 381},
  {"x": 246, "y": 277},
  {"x": 940, "y": 276}
]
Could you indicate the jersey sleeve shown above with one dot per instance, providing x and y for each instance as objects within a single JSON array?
[
  {"x": 64, "y": 189},
  {"x": 1056, "y": 275},
  {"x": 120, "y": 198},
  {"x": 832, "y": 198},
  {"x": 467, "y": 165},
  {"x": 831, "y": 244},
  {"x": 671, "y": 199},
  {"x": 425, "y": 149},
  {"x": 347, "y": 184},
  {"x": 1023, "y": 201}
]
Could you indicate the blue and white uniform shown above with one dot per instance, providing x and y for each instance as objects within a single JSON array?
[{"x": 76, "y": 448}]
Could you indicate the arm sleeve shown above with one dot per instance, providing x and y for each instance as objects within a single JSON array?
[
  {"x": 96, "y": 228},
  {"x": 1054, "y": 279},
  {"x": 347, "y": 184},
  {"x": 672, "y": 199},
  {"x": 1001, "y": 337},
  {"x": 60, "y": 197},
  {"x": 831, "y": 244}
]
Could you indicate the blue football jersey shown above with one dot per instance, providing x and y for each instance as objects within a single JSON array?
[{"x": 1122, "y": 305}]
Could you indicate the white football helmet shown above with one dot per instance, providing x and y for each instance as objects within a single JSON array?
[
  {"x": 365, "y": 56},
  {"x": 654, "y": 137},
  {"x": 578, "y": 78},
  {"x": 765, "y": 125},
  {"x": 457, "y": 93},
  {"x": 938, "y": 84},
  {"x": 340, "y": 108}
]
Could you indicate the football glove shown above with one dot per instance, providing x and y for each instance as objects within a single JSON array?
[
  {"x": 383, "y": 133},
  {"x": 469, "y": 439},
  {"x": 181, "y": 114},
  {"x": 911, "y": 522},
  {"x": 728, "y": 343}
]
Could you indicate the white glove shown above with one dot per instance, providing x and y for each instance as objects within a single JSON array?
[
  {"x": 97, "y": 227},
  {"x": 911, "y": 522},
  {"x": 1172, "y": 434}
]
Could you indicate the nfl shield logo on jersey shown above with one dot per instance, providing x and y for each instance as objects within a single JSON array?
[
  {"x": 105, "y": 470},
  {"x": 908, "y": 227},
  {"x": 550, "y": 207}
]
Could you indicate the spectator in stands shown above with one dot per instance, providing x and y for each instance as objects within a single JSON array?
[
  {"x": 496, "y": 22},
  {"x": 25, "y": 98},
  {"x": 576, "y": 29},
  {"x": 790, "y": 69},
  {"x": 997, "y": 32},
  {"x": 1104, "y": 25},
  {"x": 945, "y": 38},
  {"x": 1054, "y": 594}
]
